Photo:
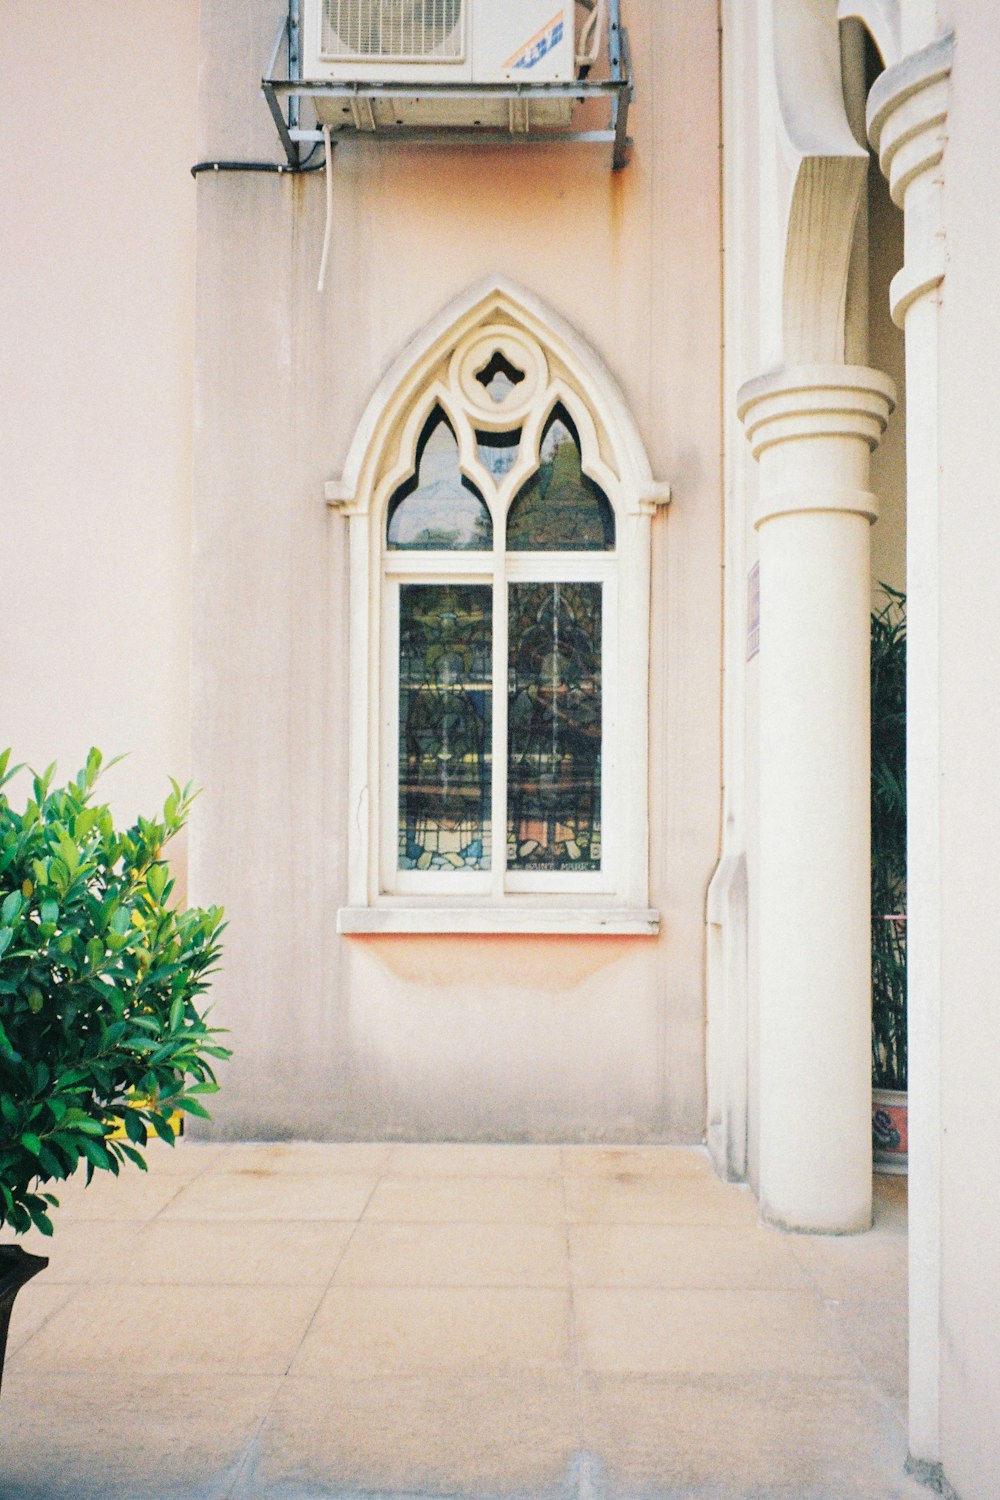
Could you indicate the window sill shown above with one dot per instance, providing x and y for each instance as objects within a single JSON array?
[{"x": 599, "y": 921}]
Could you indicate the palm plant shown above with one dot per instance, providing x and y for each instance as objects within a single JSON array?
[{"x": 888, "y": 809}]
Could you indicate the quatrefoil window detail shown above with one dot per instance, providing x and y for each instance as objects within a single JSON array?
[{"x": 499, "y": 377}]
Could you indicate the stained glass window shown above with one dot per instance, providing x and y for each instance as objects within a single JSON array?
[
  {"x": 560, "y": 509},
  {"x": 439, "y": 508},
  {"x": 519, "y": 800},
  {"x": 498, "y": 452},
  {"x": 445, "y": 726},
  {"x": 554, "y": 727}
]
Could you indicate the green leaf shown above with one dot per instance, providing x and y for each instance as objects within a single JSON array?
[
  {"x": 83, "y": 1124},
  {"x": 95, "y": 1153},
  {"x": 31, "y": 1143},
  {"x": 68, "y": 1147},
  {"x": 11, "y": 908},
  {"x": 6, "y": 775},
  {"x": 53, "y": 1166},
  {"x": 192, "y": 1107},
  {"x": 163, "y": 1127},
  {"x": 6, "y": 937},
  {"x": 84, "y": 822},
  {"x": 20, "y": 1219},
  {"x": 49, "y": 911},
  {"x": 68, "y": 852},
  {"x": 134, "y": 1128}
]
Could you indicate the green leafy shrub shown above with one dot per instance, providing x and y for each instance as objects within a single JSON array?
[
  {"x": 888, "y": 799},
  {"x": 98, "y": 980}
]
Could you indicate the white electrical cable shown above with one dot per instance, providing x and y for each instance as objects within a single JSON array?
[
  {"x": 329, "y": 208},
  {"x": 591, "y": 34}
]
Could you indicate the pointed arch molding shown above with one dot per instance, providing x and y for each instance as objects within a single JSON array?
[
  {"x": 828, "y": 170},
  {"x": 445, "y": 367},
  {"x": 553, "y": 347}
]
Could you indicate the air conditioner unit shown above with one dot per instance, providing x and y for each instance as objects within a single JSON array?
[{"x": 416, "y": 42}]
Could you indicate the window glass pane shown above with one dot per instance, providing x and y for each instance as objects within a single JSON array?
[
  {"x": 445, "y": 718},
  {"x": 560, "y": 509},
  {"x": 438, "y": 508},
  {"x": 554, "y": 727},
  {"x": 498, "y": 451}
]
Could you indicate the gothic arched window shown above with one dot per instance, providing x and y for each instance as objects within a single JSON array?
[{"x": 502, "y": 761}]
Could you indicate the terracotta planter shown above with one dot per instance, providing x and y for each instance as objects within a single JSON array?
[
  {"x": 16, "y": 1267},
  {"x": 889, "y": 1133}
]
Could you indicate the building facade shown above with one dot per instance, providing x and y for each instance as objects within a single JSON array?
[{"x": 528, "y": 833}]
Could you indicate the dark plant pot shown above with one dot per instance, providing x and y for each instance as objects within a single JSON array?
[
  {"x": 16, "y": 1267},
  {"x": 890, "y": 1140}
]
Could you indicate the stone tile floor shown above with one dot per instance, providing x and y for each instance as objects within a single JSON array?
[{"x": 292, "y": 1322}]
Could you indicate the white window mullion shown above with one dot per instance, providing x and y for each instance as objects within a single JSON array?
[
  {"x": 499, "y": 805},
  {"x": 611, "y": 799},
  {"x": 389, "y": 725}
]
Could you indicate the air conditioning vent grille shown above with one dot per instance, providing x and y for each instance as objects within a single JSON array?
[{"x": 393, "y": 30}]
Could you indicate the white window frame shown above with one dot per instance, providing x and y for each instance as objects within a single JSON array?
[{"x": 438, "y": 370}]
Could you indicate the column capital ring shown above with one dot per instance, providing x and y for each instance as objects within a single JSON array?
[
  {"x": 907, "y": 114},
  {"x": 816, "y": 401},
  {"x": 813, "y": 429}
]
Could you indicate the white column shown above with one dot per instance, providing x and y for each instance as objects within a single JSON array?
[
  {"x": 907, "y": 113},
  {"x": 812, "y": 429}
]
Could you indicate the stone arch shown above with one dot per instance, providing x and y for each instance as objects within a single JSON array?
[
  {"x": 575, "y": 363},
  {"x": 828, "y": 169}
]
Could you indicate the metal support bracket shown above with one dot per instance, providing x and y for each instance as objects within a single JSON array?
[
  {"x": 291, "y": 89},
  {"x": 269, "y": 87},
  {"x": 620, "y": 54}
]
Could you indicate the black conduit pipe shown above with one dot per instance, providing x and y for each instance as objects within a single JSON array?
[{"x": 255, "y": 166}]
